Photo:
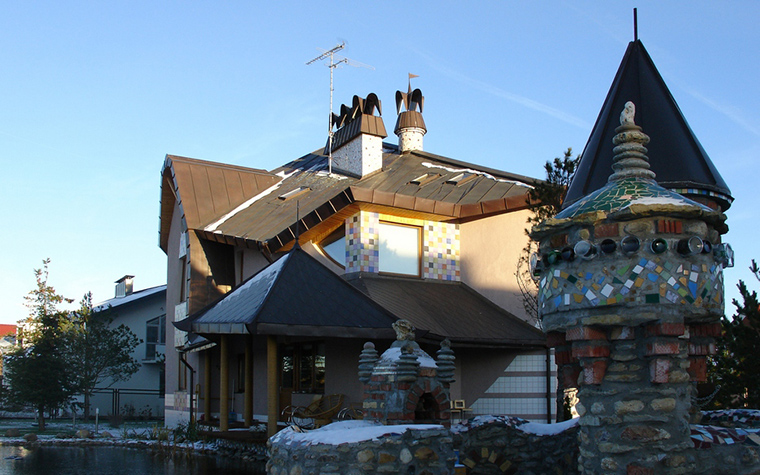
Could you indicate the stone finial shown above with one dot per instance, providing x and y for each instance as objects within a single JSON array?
[
  {"x": 445, "y": 362},
  {"x": 407, "y": 366},
  {"x": 630, "y": 159},
  {"x": 404, "y": 330},
  {"x": 367, "y": 361},
  {"x": 629, "y": 111}
]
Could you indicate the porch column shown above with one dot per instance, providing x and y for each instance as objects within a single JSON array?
[
  {"x": 207, "y": 384},
  {"x": 272, "y": 388},
  {"x": 248, "y": 404},
  {"x": 224, "y": 384}
]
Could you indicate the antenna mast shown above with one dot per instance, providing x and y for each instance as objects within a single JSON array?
[{"x": 335, "y": 61}]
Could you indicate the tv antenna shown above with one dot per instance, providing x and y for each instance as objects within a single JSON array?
[{"x": 335, "y": 61}]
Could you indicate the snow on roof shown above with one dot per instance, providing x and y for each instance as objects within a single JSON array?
[
  {"x": 345, "y": 432},
  {"x": 116, "y": 301},
  {"x": 393, "y": 354},
  {"x": 475, "y": 172}
]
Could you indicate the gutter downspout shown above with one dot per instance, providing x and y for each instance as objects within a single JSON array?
[
  {"x": 192, "y": 383},
  {"x": 549, "y": 395}
]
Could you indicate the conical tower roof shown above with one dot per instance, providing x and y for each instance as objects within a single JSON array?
[{"x": 676, "y": 156}]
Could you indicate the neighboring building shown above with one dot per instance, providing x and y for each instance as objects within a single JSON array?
[
  {"x": 7, "y": 343},
  {"x": 143, "y": 312},
  {"x": 276, "y": 279}
]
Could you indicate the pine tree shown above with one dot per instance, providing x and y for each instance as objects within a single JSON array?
[
  {"x": 37, "y": 372},
  {"x": 736, "y": 364},
  {"x": 545, "y": 201}
]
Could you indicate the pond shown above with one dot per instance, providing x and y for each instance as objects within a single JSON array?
[{"x": 115, "y": 461}]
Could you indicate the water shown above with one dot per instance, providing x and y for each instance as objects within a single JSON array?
[{"x": 115, "y": 461}]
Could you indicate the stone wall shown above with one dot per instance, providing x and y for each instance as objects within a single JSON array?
[
  {"x": 506, "y": 445},
  {"x": 359, "y": 447}
]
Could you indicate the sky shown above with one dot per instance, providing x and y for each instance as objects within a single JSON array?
[{"x": 93, "y": 95}]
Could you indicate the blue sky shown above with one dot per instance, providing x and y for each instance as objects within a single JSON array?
[{"x": 93, "y": 95}]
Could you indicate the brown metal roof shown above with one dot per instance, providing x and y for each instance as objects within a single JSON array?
[
  {"x": 271, "y": 222},
  {"x": 206, "y": 190},
  {"x": 448, "y": 310}
]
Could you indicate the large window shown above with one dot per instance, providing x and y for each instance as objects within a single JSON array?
[
  {"x": 155, "y": 336},
  {"x": 335, "y": 246},
  {"x": 303, "y": 367},
  {"x": 399, "y": 250}
]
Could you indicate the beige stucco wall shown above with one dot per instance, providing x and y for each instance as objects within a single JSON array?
[{"x": 490, "y": 249}]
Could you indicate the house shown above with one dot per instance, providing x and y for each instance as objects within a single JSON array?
[
  {"x": 142, "y": 311},
  {"x": 277, "y": 278},
  {"x": 7, "y": 343}
]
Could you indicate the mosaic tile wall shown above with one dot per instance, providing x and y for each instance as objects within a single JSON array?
[
  {"x": 440, "y": 251},
  {"x": 362, "y": 247},
  {"x": 646, "y": 280}
]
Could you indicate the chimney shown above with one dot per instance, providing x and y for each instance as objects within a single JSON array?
[
  {"x": 410, "y": 126},
  {"x": 124, "y": 286},
  {"x": 357, "y": 145}
]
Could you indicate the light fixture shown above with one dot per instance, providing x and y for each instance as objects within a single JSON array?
[
  {"x": 585, "y": 249},
  {"x": 629, "y": 245},
  {"x": 608, "y": 246},
  {"x": 690, "y": 245},
  {"x": 658, "y": 246}
]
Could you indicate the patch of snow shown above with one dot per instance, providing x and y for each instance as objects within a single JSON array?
[
  {"x": 476, "y": 172},
  {"x": 345, "y": 432},
  {"x": 661, "y": 200},
  {"x": 213, "y": 226},
  {"x": 392, "y": 355},
  {"x": 538, "y": 428}
]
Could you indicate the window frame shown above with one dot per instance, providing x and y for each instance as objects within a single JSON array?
[
  {"x": 338, "y": 234},
  {"x": 420, "y": 232},
  {"x": 298, "y": 351}
]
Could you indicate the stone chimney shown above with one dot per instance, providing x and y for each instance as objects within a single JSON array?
[
  {"x": 124, "y": 286},
  {"x": 630, "y": 295},
  {"x": 410, "y": 126},
  {"x": 405, "y": 385},
  {"x": 357, "y": 144}
]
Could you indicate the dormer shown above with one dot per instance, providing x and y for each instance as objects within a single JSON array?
[
  {"x": 410, "y": 126},
  {"x": 124, "y": 286},
  {"x": 357, "y": 144}
]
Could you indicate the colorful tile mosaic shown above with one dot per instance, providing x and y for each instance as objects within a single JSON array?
[
  {"x": 440, "y": 251},
  {"x": 618, "y": 194},
  {"x": 704, "y": 437},
  {"x": 640, "y": 280},
  {"x": 362, "y": 245}
]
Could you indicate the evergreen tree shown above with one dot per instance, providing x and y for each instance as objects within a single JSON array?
[
  {"x": 545, "y": 201},
  {"x": 37, "y": 372},
  {"x": 99, "y": 353},
  {"x": 736, "y": 364}
]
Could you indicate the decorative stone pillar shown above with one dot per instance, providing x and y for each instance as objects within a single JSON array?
[{"x": 630, "y": 293}]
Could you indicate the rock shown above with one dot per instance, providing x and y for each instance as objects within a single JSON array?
[
  {"x": 106, "y": 435},
  {"x": 13, "y": 433},
  {"x": 425, "y": 453},
  {"x": 30, "y": 437},
  {"x": 625, "y": 407},
  {"x": 83, "y": 434},
  {"x": 365, "y": 456},
  {"x": 405, "y": 455}
]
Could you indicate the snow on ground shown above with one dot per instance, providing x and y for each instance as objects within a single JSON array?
[{"x": 345, "y": 432}]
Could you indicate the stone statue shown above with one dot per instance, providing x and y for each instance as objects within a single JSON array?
[
  {"x": 404, "y": 330},
  {"x": 626, "y": 117}
]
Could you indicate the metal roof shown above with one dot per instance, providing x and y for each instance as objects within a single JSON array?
[
  {"x": 297, "y": 296},
  {"x": 270, "y": 221},
  {"x": 675, "y": 154},
  {"x": 448, "y": 310}
]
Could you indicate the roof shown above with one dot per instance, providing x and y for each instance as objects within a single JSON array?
[
  {"x": 675, "y": 154},
  {"x": 269, "y": 220},
  {"x": 448, "y": 310},
  {"x": 133, "y": 297},
  {"x": 205, "y": 190},
  {"x": 297, "y": 296},
  {"x": 7, "y": 329}
]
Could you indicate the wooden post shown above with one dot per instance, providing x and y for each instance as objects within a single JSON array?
[
  {"x": 224, "y": 385},
  {"x": 207, "y": 384},
  {"x": 272, "y": 387},
  {"x": 248, "y": 404}
]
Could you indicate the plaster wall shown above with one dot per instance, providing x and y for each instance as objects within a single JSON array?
[{"x": 489, "y": 254}]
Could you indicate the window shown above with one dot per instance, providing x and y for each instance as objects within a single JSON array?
[
  {"x": 155, "y": 336},
  {"x": 334, "y": 246},
  {"x": 303, "y": 367},
  {"x": 399, "y": 250}
]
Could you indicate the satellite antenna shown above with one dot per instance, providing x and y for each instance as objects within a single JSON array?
[{"x": 335, "y": 61}]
